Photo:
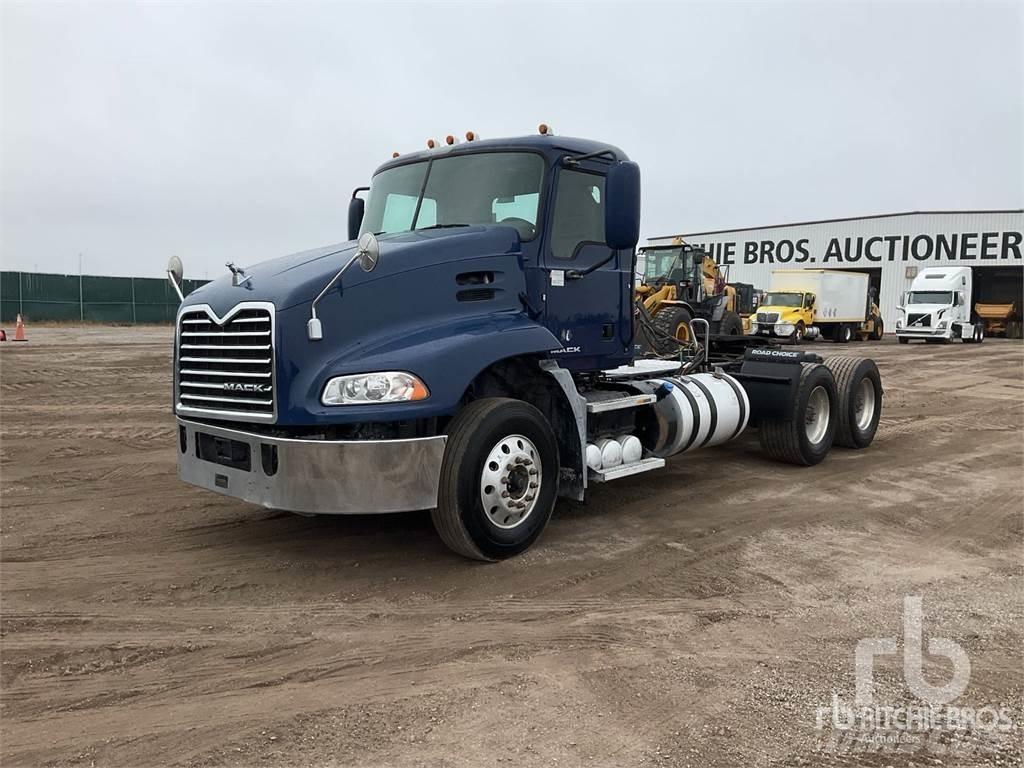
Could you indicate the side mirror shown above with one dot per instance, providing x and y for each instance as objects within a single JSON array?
[
  {"x": 622, "y": 205},
  {"x": 356, "y": 207},
  {"x": 175, "y": 273}
]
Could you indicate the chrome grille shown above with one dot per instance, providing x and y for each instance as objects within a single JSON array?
[
  {"x": 226, "y": 367},
  {"x": 767, "y": 317}
]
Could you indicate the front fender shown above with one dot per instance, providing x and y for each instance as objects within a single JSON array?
[{"x": 446, "y": 356}]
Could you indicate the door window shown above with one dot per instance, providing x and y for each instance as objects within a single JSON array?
[{"x": 579, "y": 213}]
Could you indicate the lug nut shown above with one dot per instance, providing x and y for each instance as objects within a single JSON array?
[
  {"x": 535, "y": 485},
  {"x": 533, "y": 471}
]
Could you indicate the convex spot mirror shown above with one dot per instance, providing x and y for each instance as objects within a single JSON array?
[
  {"x": 369, "y": 252},
  {"x": 176, "y": 269}
]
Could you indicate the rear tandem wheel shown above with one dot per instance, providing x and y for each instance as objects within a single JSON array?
[{"x": 807, "y": 435}]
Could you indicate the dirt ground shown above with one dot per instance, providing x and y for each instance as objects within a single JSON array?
[{"x": 699, "y": 615}]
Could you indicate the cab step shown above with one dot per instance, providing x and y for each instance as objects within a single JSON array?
[
  {"x": 625, "y": 470},
  {"x": 600, "y": 402}
]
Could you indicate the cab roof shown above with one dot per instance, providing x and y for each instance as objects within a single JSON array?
[{"x": 551, "y": 146}]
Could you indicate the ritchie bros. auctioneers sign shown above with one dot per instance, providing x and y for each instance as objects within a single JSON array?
[{"x": 951, "y": 246}]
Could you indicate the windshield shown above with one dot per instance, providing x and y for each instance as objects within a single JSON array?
[
  {"x": 930, "y": 297},
  {"x": 783, "y": 300},
  {"x": 658, "y": 263},
  {"x": 483, "y": 188}
]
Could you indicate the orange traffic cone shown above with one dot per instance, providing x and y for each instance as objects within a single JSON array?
[{"x": 19, "y": 330}]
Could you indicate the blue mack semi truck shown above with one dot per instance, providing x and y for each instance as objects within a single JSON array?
[{"x": 475, "y": 350}]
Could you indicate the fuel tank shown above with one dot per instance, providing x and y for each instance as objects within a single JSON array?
[{"x": 695, "y": 411}]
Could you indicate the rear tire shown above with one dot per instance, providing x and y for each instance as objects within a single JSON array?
[
  {"x": 844, "y": 333},
  {"x": 731, "y": 325},
  {"x": 877, "y": 329},
  {"x": 475, "y": 466},
  {"x": 859, "y": 388},
  {"x": 806, "y": 437}
]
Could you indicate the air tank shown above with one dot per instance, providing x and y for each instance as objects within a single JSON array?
[{"x": 695, "y": 411}]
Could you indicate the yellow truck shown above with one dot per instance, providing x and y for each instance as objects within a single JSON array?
[{"x": 818, "y": 303}]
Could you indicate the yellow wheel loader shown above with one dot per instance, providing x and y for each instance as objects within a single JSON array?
[{"x": 681, "y": 283}]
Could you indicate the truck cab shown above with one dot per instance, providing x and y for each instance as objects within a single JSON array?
[
  {"x": 786, "y": 314},
  {"x": 937, "y": 308},
  {"x": 469, "y": 350}
]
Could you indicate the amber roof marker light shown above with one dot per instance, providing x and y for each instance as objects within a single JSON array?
[
  {"x": 471, "y": 136},
  {"x": 431, "y": 144},
  {"x": 450, "y": 140},
  {"x": 545, "y": 130}
]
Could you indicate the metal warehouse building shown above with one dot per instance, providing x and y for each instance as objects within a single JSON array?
[{"x": 888, "y": 247}]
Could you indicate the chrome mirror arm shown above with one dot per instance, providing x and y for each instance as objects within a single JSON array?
[
  {"x": 177, "y": 288},
  {"x": 314, "y": 330}
]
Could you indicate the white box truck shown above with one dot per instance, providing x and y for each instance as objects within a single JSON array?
[
  {"x": 807, "y": 303},
  {"x": 937, "y": 308}
]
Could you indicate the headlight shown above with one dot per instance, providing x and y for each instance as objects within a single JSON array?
[
  {"x": 942, "y": 324},
  {"x": 783, "y": 329},
  {"x": 371, "y": 388},
  {"x": 753, "y": 328}
]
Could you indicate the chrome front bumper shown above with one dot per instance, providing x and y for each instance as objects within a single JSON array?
[
  {"x": 924, "y": 332},
  {"x": 340, "y": 477}
]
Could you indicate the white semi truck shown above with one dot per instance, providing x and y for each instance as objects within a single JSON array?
[{"x": 937, "y": 308}]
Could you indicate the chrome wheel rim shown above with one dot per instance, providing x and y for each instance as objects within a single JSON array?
[
  {"x": 864, "y": 404},
  {"x": 510, "y": 481},
  {"x": 818, "y": 412}
]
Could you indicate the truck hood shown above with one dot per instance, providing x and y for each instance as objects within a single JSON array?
[
  {"x": 783, "y": 312},
  {"x": 925, "y": 309},
  {"x": 299, "y": 277}
]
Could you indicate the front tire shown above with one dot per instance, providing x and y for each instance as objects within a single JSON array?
[
  {"x": 499, "y": 479},
  {"x": 877, "y": 329},
  {"x": 806, "y": 436},
  {"x": 672, "y": 322},
  {"x": 799, "y": 332},
  {"x": 859, "y": 387}
]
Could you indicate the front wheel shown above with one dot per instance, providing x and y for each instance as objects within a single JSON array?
[
  {"x": 499, "y": 479},
  {"x": 799, "y": 332},
  {"x": 877, "y": 329}
]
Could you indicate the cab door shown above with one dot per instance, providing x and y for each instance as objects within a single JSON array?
[{"x": 587, "y": 298}]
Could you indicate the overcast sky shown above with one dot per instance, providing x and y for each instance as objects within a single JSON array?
[{"x": 131, "y": 132}]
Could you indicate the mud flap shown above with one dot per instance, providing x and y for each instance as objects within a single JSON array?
[{"x": 770, "y": 378}]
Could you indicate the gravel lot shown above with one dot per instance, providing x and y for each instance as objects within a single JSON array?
[{"x": 694, "y": 616}]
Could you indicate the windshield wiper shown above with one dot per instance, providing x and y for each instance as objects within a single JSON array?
[{"x": 441, "y": 226}]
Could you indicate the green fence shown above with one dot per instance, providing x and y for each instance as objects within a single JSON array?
[{"x": 88, "y": 298}]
